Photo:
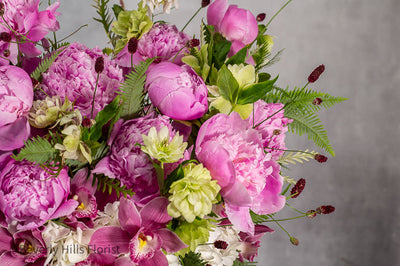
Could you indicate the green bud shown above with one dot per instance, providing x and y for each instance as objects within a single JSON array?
[{"x": 45, "y": 112}]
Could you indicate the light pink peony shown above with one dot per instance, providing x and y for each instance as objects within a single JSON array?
[
  {"x": 29, "y": 196},
  {"x": 249, "y": 179},
  {"x": 127, "y": 162},
  {"x": 272, "y": 130},
  {"x": 236, "y": 24},
  {"x": 16, "y": 97},
  {"x": 72, "y": 76},
  {"x": 177, "y": 91},
  {"x": 25, "y": 19}
]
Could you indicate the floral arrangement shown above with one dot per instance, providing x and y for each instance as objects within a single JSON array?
[{"x": 161, "y": 149}]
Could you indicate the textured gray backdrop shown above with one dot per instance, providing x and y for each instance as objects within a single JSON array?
[{"x": 358, "y": 41}]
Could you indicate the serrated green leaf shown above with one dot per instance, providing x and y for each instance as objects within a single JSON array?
[
  {"x": 255, "y": 92},
  {"x": 37, "y": 150},
  {"x": 45, "y": 64},
  {"x": 192, "y": 259},
  {"x": 228, "y": 86},
  {"x": 296, "y": 157}
]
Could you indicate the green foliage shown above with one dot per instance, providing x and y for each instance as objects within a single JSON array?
[
  {"x": 220, "y": 50},
  {"x": 174, "y": 176},
  {"x": 228, "y": 86},
  {"x": 105, "y": 183},
  {"x": 37, "y": 150},
  {"x": 192, "y": 259},
  {"x": 45, "y": 64},
  {"x": 105, "y": 18},
  {"x": 132, "y": 90},
  {"x": 259, "y": 219},
  {"x": 245, "y": 263},
  {"x": 255, "y": 92},
  {"x": 296, "y": 157},
  {"x": 239, "y": 57}
]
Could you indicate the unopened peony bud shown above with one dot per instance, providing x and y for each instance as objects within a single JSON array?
[
  {"x": 5, "y": 37},
  {"x": 325, "y": 209},
  {"x": 317, "y": 101},
  {"x": 316, "y": 73},
  {"x": 294, "y": 241},
  {"x": 298, "y": 188},
  {"x": 260, "y": 17},
  {"x": 220, "y": 244},
  {"x": 205, "y": 3},
  {"x": 6, "y": 53},
  {"x": 311, "y": 214},
  {"x": 99, "y": 65},
  {"x": 132, "y": 45},
  {"x": 320, "y": 158}
]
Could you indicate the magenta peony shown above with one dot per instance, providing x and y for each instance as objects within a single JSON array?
[
  {"x": 25, "y": 19},
  {"x": 249, "y": 179},
  {"x": 236, "y": 24},
  {"x": 73, "y": 76},
  {"x": 177, "y": 91},
  {"x": 29, "y": 196},
  {"x": 16, "y": 98},
  {"x": 273, "y": 129}
]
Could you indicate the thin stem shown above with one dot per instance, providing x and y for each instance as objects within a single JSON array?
[
  {"x": 94, "y": 94},
  {"x": 276, "y": 221},
  {"x": 276, "y": 14},
  {"x": 292, "y": 218},
  {"x": 78, "y": 29},
  {"x": 306, "y": 152},
  {"x": 271, "y": 115},
  {"x": 290, "y": 206},
  {"x": 190, "y": 20}
]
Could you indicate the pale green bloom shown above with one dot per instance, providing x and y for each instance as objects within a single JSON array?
[
  {"x": 45, "y": 112},
  {"x": 194, "y": 194},
  {"x": 158, "y": 146},
  {"x": 244, "y": 75},
  {"x": 72, "y": 147}
]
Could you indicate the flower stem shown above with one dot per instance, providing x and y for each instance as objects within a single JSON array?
[
  {"x": 190, "y": 20},
  {"x": 94, "y": 94},
  {"x": 276, "y": 14}
]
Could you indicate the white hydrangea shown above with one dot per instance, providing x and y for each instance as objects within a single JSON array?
[
  {"x": 109, "y": 217},
  {"x": 218, "y": 256},
  {"x": 154, "y": 4}
]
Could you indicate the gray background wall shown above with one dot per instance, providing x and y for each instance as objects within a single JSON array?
[{"x": 358, "y": 41}]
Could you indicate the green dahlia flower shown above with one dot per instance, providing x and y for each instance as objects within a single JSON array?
[{"x": 194, "y": 194}]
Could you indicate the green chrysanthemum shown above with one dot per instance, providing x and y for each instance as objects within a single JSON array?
[
  {"x": 194, "y": 194},
  {"x": 158, "y": 146}
]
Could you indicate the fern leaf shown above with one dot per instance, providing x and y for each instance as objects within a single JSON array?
[
  {"x": 132, "y": 90},
  {"x": 192, "y": 259},
  {"x": 45, "y": 64},
  {"x": 296, "y": 157},
  {"x": 37, "y": 150},
  {"x": 105, "y": 183},
  {"x": 105, "y": 19},
  {"x": 311, "y": 125}
]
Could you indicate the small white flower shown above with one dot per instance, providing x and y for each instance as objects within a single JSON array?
[
  {"x": 109, "y": 217},
  {"x": 154, "y": 4},
  {"x": 173, "y": 260},
  {"x": 158, "y": 146}
]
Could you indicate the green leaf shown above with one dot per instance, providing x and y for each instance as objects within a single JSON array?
[
  {"x": 238, "y": 58},
  {"x": 116, "y": 9},
  {"x": 37, "y": 150},
  {"x": 296, "y": 157},
  {"x": 263, "y": 77},
  {"x": 177, "y": 174},
  {"x": 228, "y": 86},
  {"x": 258, "y": 218},
  {"x": 45, "y": 64},
  {"x": 192, "y": 259},
  {"x": 220, "y": 50},
  {"x": 105, "y": 183},
  {"x": 245, "y": 263},
  {"x": 132, "y": 90},
  {"x": 255, "y": 92},
  {"x": 105, "y": 19}
]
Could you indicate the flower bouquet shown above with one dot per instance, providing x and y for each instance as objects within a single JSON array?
[{"x": 160, "y": 149}]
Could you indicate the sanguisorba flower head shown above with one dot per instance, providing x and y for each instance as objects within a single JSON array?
[
  {"x": 194, "y": 194},
  {"x": 73, "y": 76},
  {"x": 159, "y": 146}
]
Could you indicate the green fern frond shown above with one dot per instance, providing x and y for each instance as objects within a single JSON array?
[
  {"x": 296, "y": 157},
  {"x": 105, "y": 183},
  {"x": 105, "y": 19},
  {"x": 192, "y": 259},
  {"x": 275, "y": 59},
  {"x": 37, "y": 150},
  {"x": 310, "y": 124},
  {"x": 132, "y": 90},
  {"x": 45, "y": 64}
]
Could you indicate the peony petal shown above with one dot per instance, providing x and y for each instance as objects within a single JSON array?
[
  {"x": 216, "y": 12},
  {"x": 12, "y": 136}
]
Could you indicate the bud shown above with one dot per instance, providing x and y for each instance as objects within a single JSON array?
[
  {"x": 311, "y": 214},
  {"x": 260, "y": 17},
  {"x": 205, "y": 3},
  {"x": 298, "y": 188},
  {"x": 320, "y": 158},
  {"x": 314, "y": 76},
  {"x": 325, "y": 209},
  {"x": 220, "y": 244},
  {"x": 294, "y": 241},
  {"x": 276, "y": 132},
  {"x": 132, "y": 45},
  {"x": 87, "y": 122},
  {"x": 317, "y": 101},
  {"x": 34, "y": 82},
  {"x": 5, "y": 37},
  {"x": 2, "y": 9},
  {"x": 6, "y": 53},
  {"x": 193, "y": 43},
  {"x": 45, "y": 44},
  {"x": 99, "y": 65}
]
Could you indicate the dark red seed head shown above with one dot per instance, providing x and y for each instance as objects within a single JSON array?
[
  {"x": 6, "y": 53},
  {"x": 320, "y": 158},
  {"x": 314, "y": 76},
  {"x": 34, "y": 82},
  {"x": 317, "y": 101},
  {"x": 5, "y": 37},
  {"x": 220, "y": 244},
  {"x": 260, "y": 17},
  {"x": 99, "y": 65},
  {"x": 132, "y": 45},
  {"x": 205, "y": 3},
  {"x": 311, "y": 214},
  {"x": 87, "y": 122},
  {"x": 193, "y": 43},
  {"x": 325, "y": 209},
  {"x": 298, "y": 188},
  {"x": 277, "y": 132},
  {"x": 2, "y": 9}
]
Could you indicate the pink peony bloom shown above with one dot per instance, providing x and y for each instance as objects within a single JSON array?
[
  {"x": 236, "y": 24},
  {"x": 142, "y": 235},
  {"x": 272, "y": 130},
  {"x": 127, "y": 162},
  {"x": 177, "y": 91},
  {"x": 24, "y": 17},
  {"x": 73, "y": 76},
  {"x": 16, "y": 98},
  {"x": 249, "y": 179},
  {"x": 30, "y": 197}
]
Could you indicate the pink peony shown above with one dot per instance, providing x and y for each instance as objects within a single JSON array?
[
  {"x": 29, "y": 196},
  {"x": 249, "y": 179},
  {"x": 16, "y": 98},
  {"x": 73, "y": 76},
  {"x": 127, "y": 162},
  {"x": 177, "y": 91},
  {"x": 25, "y": 19},
  {"x": 272, "y": 130},
  {"x": 236, "y": 24}
]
